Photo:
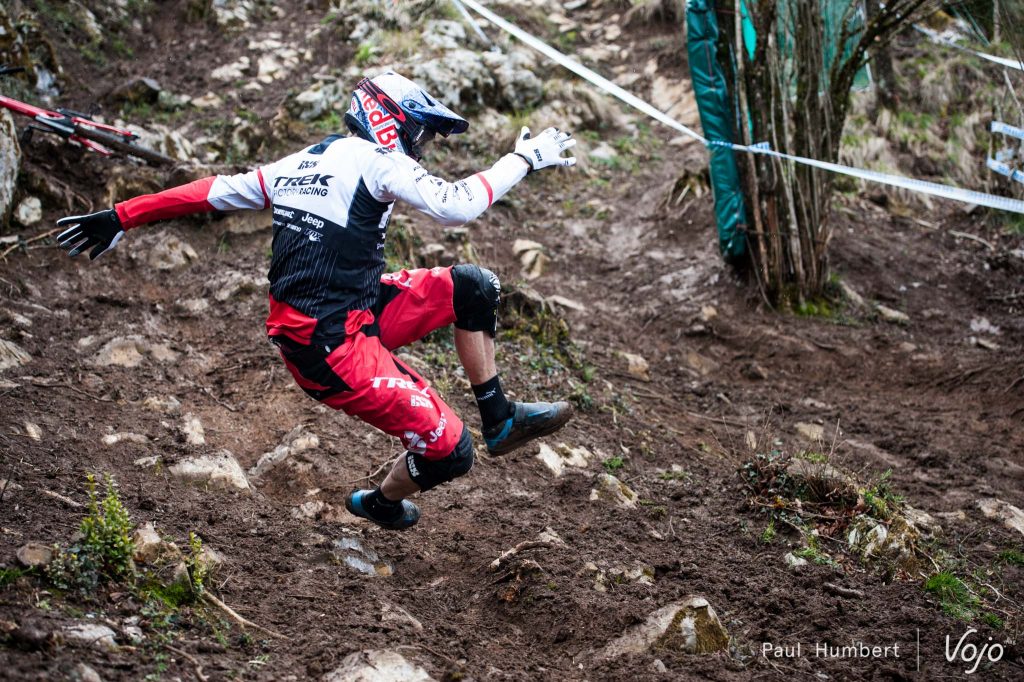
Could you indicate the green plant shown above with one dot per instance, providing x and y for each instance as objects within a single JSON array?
[
  {"x": 364, "y": 54},
  {"x": 198, "y": 570},
  {"x": 954, "y": 595},
  {"x": 613, "y": 464},
  {"x": 879, "y": 498},
  {"x": 1012, "y": 556},
  {"x": 992, "y": 620},
  {"x": 105, "y": 551},
  {"x": 9, "y": 576},
  {"x": 813, "y": 553},
  {"x": 769, "y": 532}
]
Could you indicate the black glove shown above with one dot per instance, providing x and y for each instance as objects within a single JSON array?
[{"x": 101, "y": 230}]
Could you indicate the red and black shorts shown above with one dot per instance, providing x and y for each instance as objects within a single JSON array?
[{"x": 363, "y": 378}]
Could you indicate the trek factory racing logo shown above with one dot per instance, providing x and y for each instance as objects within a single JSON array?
[{"x": 316, "y": 185}]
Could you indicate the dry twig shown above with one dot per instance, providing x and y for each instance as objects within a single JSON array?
[
  {"x": 239, "y": 619},
  {"x": 521, "y": 547},
  {"x": 44, "y": 235},
  {"x": 191, "y": 659}
]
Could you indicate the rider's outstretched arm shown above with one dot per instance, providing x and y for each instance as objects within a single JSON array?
[
  {"x": 102, "y": 230},
  {"x": 396, "y": 176}
]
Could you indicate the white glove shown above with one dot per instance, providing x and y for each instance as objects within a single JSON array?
[{"x": 545, "y": 149}]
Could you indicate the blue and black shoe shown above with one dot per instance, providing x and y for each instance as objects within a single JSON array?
[
  {"x": 528, "y": 421},
  {"x": 408, "y": 518}
]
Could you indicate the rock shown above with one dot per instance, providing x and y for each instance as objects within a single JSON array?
[
  {"x": 394, "y": 615},
  {"x": 675, "y": 97},
  {"x": 220, "y": 470},
  {"x": 235, "y": 283},
  {"x": 690, "y": 626},
  {"x": 210, "y": 100},
  {"x": 115, "y": 438},
  {"x": 298, "y": 440},
  {"x": 531, "y": 257},
  {"x": 136, "y": 91},
  {"x": 233, "y": 14},
  {"x": 234, "y": 71},
  {"x": 170, "y": 253},
  {"x": 979, "y": 325},
  {"x": 313, "y": 103},
  {"x": 311, "y": 509},
  {"x": 150, "y": 548},
  {"x": 35, "y": 555},
  {"x": 815, "y": 433},
  {"x": 91, "y": 635},
  {"x": 33, "y": 431},
  {"x": 708, "y": 313},
  {"x": 132, "y": 632},
  {"x": 165, "y": 404},
  {"x": 81, "y": 672},
  {"x": 11, "y": 355},
  {"x": 895, "y": 544},
  {"x": 568, "y": 303},
  {"x": 890, "y": 315},
  {"x": 613, "y": 490},
  {"x": 377, "y": 665},
  {"x": 10, "y": 163},
  {"x": 191, "y": 307},
  {"x": 147, "y": 462},
  {"x": 192, "y": 430},
  {"x": 128, "y": 351},
  {"x": 29, "y": 211},
  {"x": 211, "y": 559},
  {"x": 793, "y": 561},
  {"x": 1010, "y": 516},
  {"x": 851, "y": 295},
  {"x": 637, "y": 366},
  {"x": 436, "y": 255},
  {"x": 245, "y": 222},
  {"x": 565, "y": 456},
  {"x": 923, "y": 522},
  {"x": 86, "y": 21},
  {"x": 701, "y": 364},
  {"x": 351, "y": 551}
]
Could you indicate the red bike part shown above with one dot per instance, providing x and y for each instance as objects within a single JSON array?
[
  {"x": 89, "y": 144},
  {"x": 45, "y": 115}
]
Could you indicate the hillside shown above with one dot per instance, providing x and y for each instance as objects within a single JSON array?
[{"x": 747, "y": 445}]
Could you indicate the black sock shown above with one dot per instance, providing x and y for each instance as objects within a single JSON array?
[
  {"x": 494, "y": 406},
  {"x": 381, "y": 507}
]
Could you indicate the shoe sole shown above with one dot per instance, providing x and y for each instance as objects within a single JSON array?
[{"x": 549, "y": 428}]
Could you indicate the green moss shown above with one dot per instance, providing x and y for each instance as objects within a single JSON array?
[{"x": 1012, "y": 556}]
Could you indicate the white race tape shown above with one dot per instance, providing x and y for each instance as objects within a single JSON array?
[
  {"x": 1003, "y": 169},
  {"x": 1006, "y": 129},
  {"x": 933, "y": 188},
  {"x": 940, "y": 40}
]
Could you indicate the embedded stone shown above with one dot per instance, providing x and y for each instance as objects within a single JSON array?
[
  {"x": 377, "y": 665},
  {"x": 690, "y": 626},
  {"x": 220, "y": 470}
]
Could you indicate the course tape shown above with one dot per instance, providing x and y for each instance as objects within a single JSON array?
[
  {"x": 1003, "y": 169},
  {"x": 938, "y": 39},
  {"x": 1007, "y": 129},
  {"x": 933, "y": 188}
]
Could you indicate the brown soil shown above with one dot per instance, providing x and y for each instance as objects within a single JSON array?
[{"x": 944, "y": 415}]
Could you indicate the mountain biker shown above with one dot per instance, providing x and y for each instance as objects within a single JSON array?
[{"x": 335, "y": 316}]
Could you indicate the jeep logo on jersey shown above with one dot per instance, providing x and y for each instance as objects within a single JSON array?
[
  {"x": 305, "y": 180},
  {"x": 311, "y": 219}
]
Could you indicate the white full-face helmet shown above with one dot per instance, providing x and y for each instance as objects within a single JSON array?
[{"x": 392, "y": 111}]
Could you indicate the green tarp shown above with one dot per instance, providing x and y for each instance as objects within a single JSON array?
[{"x": 716, "y": 117}]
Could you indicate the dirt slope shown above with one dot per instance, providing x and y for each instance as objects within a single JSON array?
[{"x": 920, "y": 399}]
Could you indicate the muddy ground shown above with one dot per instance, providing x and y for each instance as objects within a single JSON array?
[{"x": 922, "y": 399}]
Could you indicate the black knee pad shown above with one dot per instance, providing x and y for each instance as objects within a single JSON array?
[
  {"x": 475, "y": 299},
  {"x": 430, "y": 473}
]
